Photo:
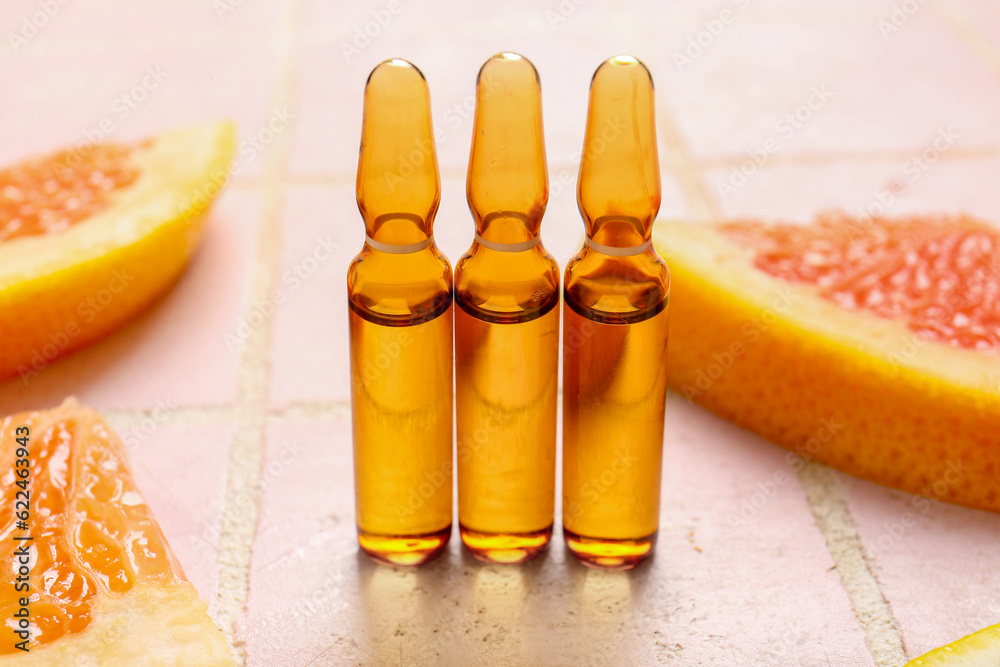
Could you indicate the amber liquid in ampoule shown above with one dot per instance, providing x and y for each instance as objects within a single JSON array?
[
  {"x": 400, "y": 296},
  {"x": 615, "y": 331},
  {"x": 507, "y": 326}
]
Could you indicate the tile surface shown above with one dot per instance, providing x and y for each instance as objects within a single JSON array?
[
  {"x": 181, "y": 472},
  {"x": 232, "y": 390}
]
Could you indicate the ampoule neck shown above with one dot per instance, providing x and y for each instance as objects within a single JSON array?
[
  {"x": 618, "y": 232},
  {"x": 507, "y": 228},
  {"x": 399, "y": 228}
]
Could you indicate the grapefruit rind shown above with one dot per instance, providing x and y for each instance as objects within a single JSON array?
[
  {"x": 60, "y": 292},
  {"x": 980, "y": 649},
  {"x": 858, "y": 392},
  {"x": 148, "y": 626}
]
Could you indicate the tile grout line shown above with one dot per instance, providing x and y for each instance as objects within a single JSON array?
[
  {"x": 827, "y": 158},
  {"x": 183, "y": 416},
  {"x": 242, "y": 498},
  {"x": 828, "y": 502},
  {"x": 823, "y": 492},
  {"x": 307, "y": 178},
  {"x": 128, "y": 418},
  {"x": 681, "y": 163}
]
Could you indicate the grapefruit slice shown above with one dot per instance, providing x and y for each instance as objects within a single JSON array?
[
  {"x": 91, "y": 236},
  {"x": 870, "y": 345},
  {"x": 104, "y": 587},
  {"x": 981, "y": 649}
]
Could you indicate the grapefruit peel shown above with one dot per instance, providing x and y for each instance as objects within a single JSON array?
[
  {"x": 980, "y": 649},
  {"x": 860, "y": 392},
  {"x": 63, "y": 290}
]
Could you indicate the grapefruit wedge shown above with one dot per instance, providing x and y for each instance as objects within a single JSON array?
[
  {"x": 870, "y": 345},
  {"x": 103, "y": 586},
  {"x": 981, "y": 649},
  {"x": 90, "y": 236}
]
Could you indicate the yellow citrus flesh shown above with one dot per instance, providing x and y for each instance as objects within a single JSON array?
[
  {"x": 105, "y": 587},
  {"x": 981, "y": 649},
  {"x": 88, "y": 240},
  {"x": 869, "y": 393}
]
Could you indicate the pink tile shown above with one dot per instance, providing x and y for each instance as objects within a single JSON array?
[
  {"x": 176, "y": 350},
  {"x": 742, "y": 574},
  {"x": 323, "y": 20},
  {"x": 327, "y": 103},
  {"x": 332, "y": 82},
  {"x": 938, "y": 565},
  {"x": 181, "y": 472},
  {"x": 304, "y": 553},
  {"x": 908, "y": 185},
  {"x": 883, "y": 93},
  {"x": 111, "y": 24},
  {"x": 322, "y": 232},
  {"x": 759, "y": 593},
  {"x": 66, "y": 98},
  {"x": 983, "y": 15}
]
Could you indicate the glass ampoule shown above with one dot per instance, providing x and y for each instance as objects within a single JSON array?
[
  {"x": 400, "y": 297},
  {"x": 507, "y": 326},
  {"x": 615, "y": 330}
]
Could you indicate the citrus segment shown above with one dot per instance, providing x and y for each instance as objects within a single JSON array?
[
  {"x": 981, "y": 649},
  {"x": 940, "y": 275},
  {"x": 98, "y": 557},
  {"x": 88, "y": 240},
  {"x": 47, "y": 195},
  {"x": 864, "y": 344}
]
